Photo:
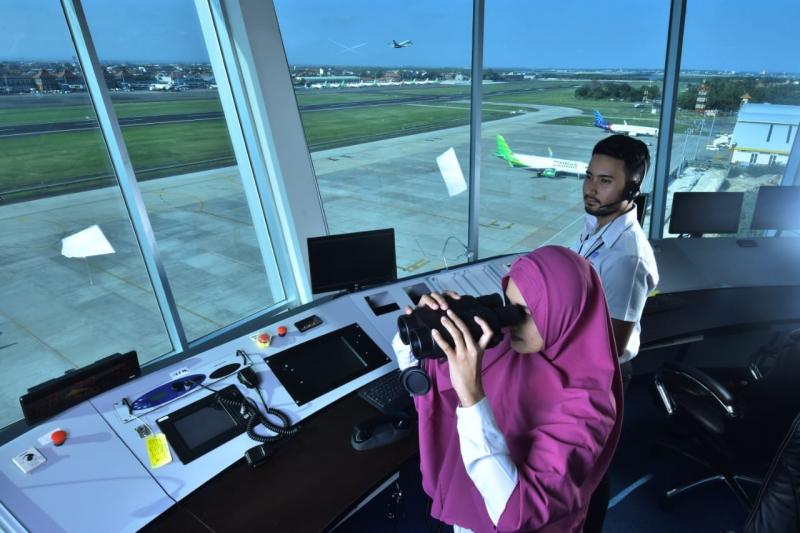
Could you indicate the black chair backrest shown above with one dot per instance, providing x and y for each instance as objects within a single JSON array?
[{"x": 777, "y": 507}]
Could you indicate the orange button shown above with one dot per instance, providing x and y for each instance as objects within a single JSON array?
[
  {"x": 58, "y": 437},
  {"x": 282, "y": 330}
]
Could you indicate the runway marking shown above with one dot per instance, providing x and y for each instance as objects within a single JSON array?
[
  {"x": 95, "y": 126},
  {"x": 621, "y": 495}
]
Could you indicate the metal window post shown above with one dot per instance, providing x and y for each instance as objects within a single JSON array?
[
  {"x": 475, "y": 129},
  {"x": 118, "y": 152},
  {"x": 669, "y": 101}
]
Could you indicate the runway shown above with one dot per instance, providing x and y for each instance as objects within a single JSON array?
[{"x": 90, "y": 124}]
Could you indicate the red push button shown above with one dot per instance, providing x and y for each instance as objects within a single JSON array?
[{"x": 58, "y": 437}]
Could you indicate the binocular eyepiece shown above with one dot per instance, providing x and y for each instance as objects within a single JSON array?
[{"x": 416, "y": 328}]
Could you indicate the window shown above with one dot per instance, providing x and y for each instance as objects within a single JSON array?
[
  {"x": 74, "y": 281},
  {"x": 73, "y": 285},
  {"x": 736, "y": 59},
  {"x": 383, "y": 91},
  {"x": 554, "y": 85},
  {"x": 220, "y": 264}
]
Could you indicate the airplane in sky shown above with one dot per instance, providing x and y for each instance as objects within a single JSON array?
[
  {"x": 401, "y": 44},
  {"x": 626, "y": 129},
  {"x": 546, "y": 166}
]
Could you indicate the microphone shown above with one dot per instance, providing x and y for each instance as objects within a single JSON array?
[{"x": 602, "y": 208}]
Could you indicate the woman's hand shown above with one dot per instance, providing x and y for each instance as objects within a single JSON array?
[
  {"x": 434, "y": 300},
  {"x": 465, "y": 357}
]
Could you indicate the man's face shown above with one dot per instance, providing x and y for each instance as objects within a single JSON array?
[{"x": 604, "y": 184}]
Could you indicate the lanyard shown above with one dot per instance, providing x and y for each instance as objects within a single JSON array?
[{"x": 598, "y": 243}]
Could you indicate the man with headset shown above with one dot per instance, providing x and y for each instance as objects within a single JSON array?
[{"x": 613, "y": 241}]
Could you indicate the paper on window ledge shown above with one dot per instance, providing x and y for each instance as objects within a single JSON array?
[
  {"x": 451, "y": 172},
  {"x": 86, "y": 243}
]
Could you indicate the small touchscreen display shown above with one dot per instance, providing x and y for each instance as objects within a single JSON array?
[
  {"x": 199, "y": 427},
  {"x": 204, "y": 424}
]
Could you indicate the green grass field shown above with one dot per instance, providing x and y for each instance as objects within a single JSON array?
[
  {"x": 43, "y": 114},
  {"x": 36, "y": 160},
  {"x": 342, "y": 127},
  {"x": 44, "y": 163}
]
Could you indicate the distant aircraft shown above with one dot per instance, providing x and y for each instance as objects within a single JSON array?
[
  {"x": 633, "y": 131},
  {"x": 401, "y": 44},
  {"x": 546, "y": 166}
]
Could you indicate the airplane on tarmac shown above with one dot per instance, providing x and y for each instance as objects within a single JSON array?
[
  {"x": 401, "y": 44},
  {"x": 546, "y": 166},
  {"x": 626, "y": 129}
]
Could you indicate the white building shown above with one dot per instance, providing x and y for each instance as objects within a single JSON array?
[{"x": 764, "y": 134}]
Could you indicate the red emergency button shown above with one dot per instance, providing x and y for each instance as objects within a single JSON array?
[
  {"x": 58, "y": 437},
  {"x": 282, "y": 330}
]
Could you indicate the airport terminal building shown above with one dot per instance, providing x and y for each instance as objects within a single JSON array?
[{"x": 764, "y": 134}]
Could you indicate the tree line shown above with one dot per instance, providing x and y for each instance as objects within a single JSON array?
[
  {"x": 725, "y": 94},
  {"x": 598, "y": 90}
]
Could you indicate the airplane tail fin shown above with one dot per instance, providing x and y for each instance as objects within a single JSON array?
[
  {"x": 599, "y": 121},
  {"x": 504, "y": 151},
  {"x": 549, "y": 152}
]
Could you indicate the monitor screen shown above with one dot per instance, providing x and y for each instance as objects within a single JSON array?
[
  {"x": 351, "y": 260},
  {"x": 777, "y": 208},
  {"x": 705, "y": 212}
]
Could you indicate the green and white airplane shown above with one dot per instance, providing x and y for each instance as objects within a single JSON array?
[{"x": 546, "y": 166}]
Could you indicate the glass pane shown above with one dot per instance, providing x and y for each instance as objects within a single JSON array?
[
  {"x": 549, "y": 70},
  {"x": 220, "y": 266},
  {"x": 383, "y": 90},
  {"x": 73, "y": 286},
  {"x": 739, "y": 102}
]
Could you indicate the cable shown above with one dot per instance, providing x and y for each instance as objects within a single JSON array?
[
  {"x": 246, "y": 357},
  {"x": 466, "y": 254},
  {"x": 249, "y": 411}
]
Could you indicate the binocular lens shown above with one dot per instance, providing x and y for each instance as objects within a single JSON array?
[{"x": 404, "y": 328}]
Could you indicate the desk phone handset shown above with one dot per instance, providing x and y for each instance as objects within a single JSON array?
[{"x": 380, "y": 431}]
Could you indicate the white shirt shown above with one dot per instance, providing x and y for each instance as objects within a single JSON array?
[
  {"x": 483, "y": 448},
  {"x": 624, "y": 260}
]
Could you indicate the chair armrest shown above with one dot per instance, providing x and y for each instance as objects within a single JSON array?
[{"x": 703, "y": 381}]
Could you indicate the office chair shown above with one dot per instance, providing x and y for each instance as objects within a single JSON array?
[
  {"x": 777, "y": 506},
  {"x": 731, "y": 421}
]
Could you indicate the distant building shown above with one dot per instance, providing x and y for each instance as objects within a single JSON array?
[
  {"x": 702, "y": 97},
  {"x": 764, "y": 134}
]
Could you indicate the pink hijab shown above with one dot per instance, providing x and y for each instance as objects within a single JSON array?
[{"x": 560, "y": 410}]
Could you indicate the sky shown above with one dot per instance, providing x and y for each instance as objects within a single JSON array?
[{"x": 720, "y": 34}]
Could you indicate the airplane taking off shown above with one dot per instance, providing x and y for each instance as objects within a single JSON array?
[
  {"x": 401, "y": 44},
  {"x": 632, "y": 131},
  {"x": 546, "y": 166}
]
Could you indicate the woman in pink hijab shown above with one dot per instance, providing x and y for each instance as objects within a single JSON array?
[{"x": 517, "y": 438}]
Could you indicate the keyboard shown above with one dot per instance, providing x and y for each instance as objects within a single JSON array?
[{"x": 387, "y": 394}]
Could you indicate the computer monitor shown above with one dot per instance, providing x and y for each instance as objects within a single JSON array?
[
  {"x": 696, "y": 213},
  {"x": 777, "y": 208},
  {"x": 351, "y": 260}
]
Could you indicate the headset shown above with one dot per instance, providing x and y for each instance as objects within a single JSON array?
[{"x": 629, "y": 193}]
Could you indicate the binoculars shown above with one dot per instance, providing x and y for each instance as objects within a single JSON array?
[{"x": 416, "y": 328}]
